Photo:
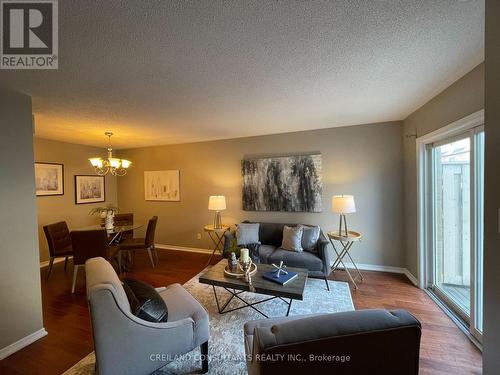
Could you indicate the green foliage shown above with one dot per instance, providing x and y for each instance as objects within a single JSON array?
[
  {"x": 104, "y": 210},
  {"x": 233, "y": 247}
]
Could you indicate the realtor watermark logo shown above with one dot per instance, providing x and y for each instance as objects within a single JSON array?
[{"x": 29, "y": 34}]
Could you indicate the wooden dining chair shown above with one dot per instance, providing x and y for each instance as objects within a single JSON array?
[
  {"x": 147, "y": 243},
  {"x": 59, "y": 241},
  {"x": 90, "y": 244}
]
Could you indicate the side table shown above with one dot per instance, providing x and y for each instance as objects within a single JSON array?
[
  {"x": 217, "y": 236},
  {"x": 346, "y": 242}
]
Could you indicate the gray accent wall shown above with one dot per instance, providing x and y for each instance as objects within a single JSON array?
[
  {"x": 462, "y": 98},
  {"x": 363, "y": 160},
  {"x": 63, "y": 207},
  {"x": 491, "y": 339},
  {"x": 21, "y": 304}
]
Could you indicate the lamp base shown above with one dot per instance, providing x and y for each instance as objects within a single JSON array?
[
  {"x": 217, "y": 220},
  {"x": 345, "y": 232}
]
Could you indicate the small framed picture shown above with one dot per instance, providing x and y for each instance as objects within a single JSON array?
[
  {"x": 89, "y": 189},
  {"x": 49, "y": 179}
]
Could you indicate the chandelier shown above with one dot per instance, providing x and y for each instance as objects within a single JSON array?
[{"x": 115, "y": 166}]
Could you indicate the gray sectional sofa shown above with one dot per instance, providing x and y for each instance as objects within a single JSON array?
[{"x": 271, "y": 236}]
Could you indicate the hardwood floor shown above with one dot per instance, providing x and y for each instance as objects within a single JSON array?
[{"x": 444, "y": 349}]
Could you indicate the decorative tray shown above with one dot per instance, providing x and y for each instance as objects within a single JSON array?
[{"x": 239, "y": 274}]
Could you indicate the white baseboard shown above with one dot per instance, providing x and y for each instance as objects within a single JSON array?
[
  {"x": 361, "y": 266},
  {"x": 57, "y": 260},
  {"x": 25, "y": 341},
  {"x": 391, "y": 269},
  {"x": 376, "y": 267},
  {"x": 183, "y": 248},
  {"x": 412, "y": 278}
]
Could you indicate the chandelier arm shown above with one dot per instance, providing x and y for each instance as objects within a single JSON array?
[
  {"x": 99, "y": 171},
  {"x": 120, "y": 172},
  {"x": 102, "y": 171}
]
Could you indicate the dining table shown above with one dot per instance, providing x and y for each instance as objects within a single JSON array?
[{"x": 115, "y": 233}]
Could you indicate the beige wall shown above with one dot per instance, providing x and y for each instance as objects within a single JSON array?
[
  {"x": 462, "y": 98},
  {"x": 491, "y": 359},
  {"x": 21, "y": 303},
  {"x": 363, "y": 160},
  {"x": 63, "y": 207}
]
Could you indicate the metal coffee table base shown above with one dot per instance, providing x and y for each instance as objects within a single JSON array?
[{"x": 236, "y": 293}]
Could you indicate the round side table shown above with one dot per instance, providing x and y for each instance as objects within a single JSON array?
[
  {"x": 346, "y": 241},
  {"x": 217, "y": 236}
]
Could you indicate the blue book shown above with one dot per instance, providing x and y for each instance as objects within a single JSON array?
[{"x": 282, "y": 279}]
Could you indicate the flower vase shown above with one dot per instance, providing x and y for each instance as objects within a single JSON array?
[{"x": 110, "y": 218}]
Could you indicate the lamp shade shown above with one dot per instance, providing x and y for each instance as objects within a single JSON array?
[
  {"x": 343, "y": 204},
  {"x": 96, "y": 162},
  {"x": 126, "y": 163},
  {"x": 217, "y": 203}
]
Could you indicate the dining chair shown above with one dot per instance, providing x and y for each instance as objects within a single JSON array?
[
  {"x": 147, "y": 243},
  {"x": 59, "y": 241},
  {"x": 125, "y": 219},
  {"x": 90, "y": 244}
]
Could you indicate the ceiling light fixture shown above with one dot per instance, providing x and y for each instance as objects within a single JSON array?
[{"x": 115, "y": 166}]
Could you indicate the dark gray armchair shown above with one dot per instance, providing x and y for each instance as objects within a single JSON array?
[
  {"x": 317, "y": 262},
  {"x": 125, "y": 344},
  {"x": 355, "y": 342}
]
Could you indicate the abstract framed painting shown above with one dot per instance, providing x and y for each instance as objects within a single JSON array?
[
  {"x": 89, "y": 189},
  {"x": 289, "y": 183},
  {"x": 49, "y": 179},
  {"x": 162, "y": 186}
]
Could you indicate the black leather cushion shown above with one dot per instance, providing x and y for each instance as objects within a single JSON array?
[{"x": 145, "y": 302}]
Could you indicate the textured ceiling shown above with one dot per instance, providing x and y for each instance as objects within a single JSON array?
[{"x": 162, "y": 72}]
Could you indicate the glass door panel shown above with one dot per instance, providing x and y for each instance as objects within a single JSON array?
[{"x": 452, "y": 222}]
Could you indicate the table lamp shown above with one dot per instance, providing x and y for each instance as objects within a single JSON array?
[
  {"x": 343, "y": 204},
  {"x": 217, "y": 203}
]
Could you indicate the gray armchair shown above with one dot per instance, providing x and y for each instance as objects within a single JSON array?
[
  {"x": 317, "y": 262},
  {"x": 125, "y": 344},
  {"x": 355, "y": 342}
]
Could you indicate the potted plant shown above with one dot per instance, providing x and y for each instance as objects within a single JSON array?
[
  {"x": 232, "y": 255},
  {"x": 106, "y": 214},
  {"x": 233, "y": 248}
]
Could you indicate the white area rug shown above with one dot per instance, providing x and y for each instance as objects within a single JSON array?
[{"x": 226, "y": 350}]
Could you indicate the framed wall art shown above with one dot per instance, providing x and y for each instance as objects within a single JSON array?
[
  {"x": 162, "y": 186},
  {"x": 289, "y": 183},
  {"x": 49, "y": 179},
  {"x": 89, "y": 189}
]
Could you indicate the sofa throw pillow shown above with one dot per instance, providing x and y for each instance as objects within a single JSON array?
[
  {"x": 145, "y": 302},
  {"x": 247, "y": 233},
  {"x": 292, "y": 238},
  {"x": 310, "y": 236}
]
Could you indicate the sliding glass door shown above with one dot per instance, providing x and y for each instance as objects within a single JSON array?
[
  {"x": 451, "y": 219},
  {"x": 455, "y": 224}
]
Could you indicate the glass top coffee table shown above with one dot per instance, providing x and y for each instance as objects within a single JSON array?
[{"x": 293, "y": 290}]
